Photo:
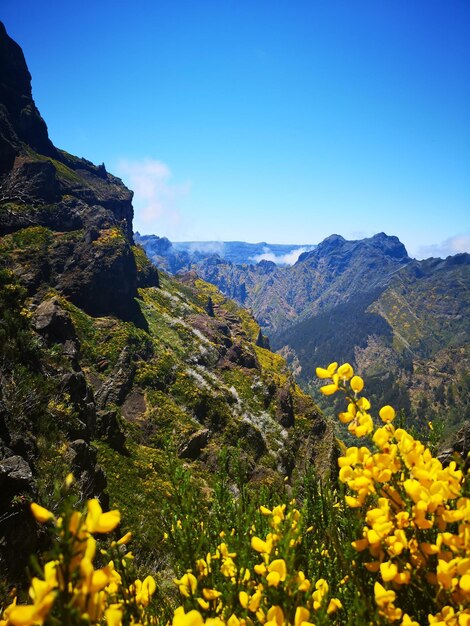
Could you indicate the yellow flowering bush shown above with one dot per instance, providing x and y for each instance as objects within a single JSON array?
[
  {"x": 71, "y": 589},
  {"x": 266, "y": 586},
  {"x": 387, "y": 543},
  {"x": 416, "y": 516}
]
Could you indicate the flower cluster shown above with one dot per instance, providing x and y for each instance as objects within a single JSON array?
[
  {"x": 270, "y": 590},
  {"x": 416, "y": 529},
  {"x": 71, "y": 587},
  {"x": 395, "y": 549}
]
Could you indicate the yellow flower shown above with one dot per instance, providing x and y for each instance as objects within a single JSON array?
[
  {"x": 357, "y": 384},
  {"x": 328, "y": 390},
  {"x": 243, "y": 598},
  {"x": 388, "y": 571},
  {"x": 192, "y": 618},
  {"x": 304, "y": 583},
  {"x": 210, "y": 594},
  {"x": 387, "y": 414},
  {"x": 125, "y": 539},
  {"x": 334, "y": 605},
  {"x": 32, "y": 613},
  {"x": 145, "y": 590},
  {"x": 328, "y": 372},
  {"x": 99, "y": 522},
  {"x": 321, "y": 589},
  {"x": 276, "y": 615},
  {"x": 345, "y": 371},
  {"x": 187, "y": 584},
  {"x": 363, "y": 404},
  {"x": 383, "y": 597},
  {"x": 278, "y": 566},
  {"x": 203, "y": 604},
  {"x": 408, "y": 621},
  {"x": 348, "y": 415},
  {"x": 113, "y": 616},
  {"x": 228, "y": 567},
  {"x": 40, "y": 513},
  {"x": 301, "y": 615},
  {"x": 255, "y": 600},
  {"x": 260, "y": 546}
]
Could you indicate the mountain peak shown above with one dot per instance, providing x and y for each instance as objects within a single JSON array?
[
  {"x": 20, "y": 120},
  {"x": 390, "y": 245}
]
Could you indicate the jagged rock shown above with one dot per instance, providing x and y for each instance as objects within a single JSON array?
[
  {"x": 99, "y": 278},
  {"x": 239, "y": 355},
  {"x": 192, "y": 448},
  {"x": 147, "y": 273},
  {"x": 24, "y": 119},
  {"x": 88, "y": 474},
  {"x": 116, "y": 387},
  {"x": 284, "y": 406},
  {"x": 108, "y": 428},
  {"x": 262, "y": 341},
  {"x": 252, "y": 438},
  {"x": 134, "y": 406},
  {"x": 82, "y": 424},
  {"x": 458, "y": 446},
  {"x": 53, "y": 323},
  {"x": 210, "y": 307},
  {"x": 15, "y": 476},
  {"x": 43, "y": 186}
]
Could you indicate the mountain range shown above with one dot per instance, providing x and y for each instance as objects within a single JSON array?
[
  {"x": 367, "y": 302},
  {"x": 177, "y": 256}
]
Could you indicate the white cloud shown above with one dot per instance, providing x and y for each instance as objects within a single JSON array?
[
  {"x": 280, "y": 259},
  {"x": 207, "y": 247},
  {"x": 449, "y": 247},
  {"x": 155, "y": 195}
]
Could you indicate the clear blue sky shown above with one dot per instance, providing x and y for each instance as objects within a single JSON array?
[{"x": 265, "y": 120}]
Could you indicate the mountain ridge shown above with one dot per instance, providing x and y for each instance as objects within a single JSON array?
[{"x": 364, "y": 301}]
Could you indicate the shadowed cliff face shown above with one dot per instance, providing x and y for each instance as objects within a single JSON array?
[
  {"x": 71, "y": 221},
  {"x": 19, "y": 118}
]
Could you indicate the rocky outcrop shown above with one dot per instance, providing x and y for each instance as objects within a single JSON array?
[
  {"x": 457, "y": 448},
  {"x": 191, "y": 449},
  {"x": 88, "y": 212},
  {"x": 89, "y": 475},
  {"x": 20, "y": 120}
]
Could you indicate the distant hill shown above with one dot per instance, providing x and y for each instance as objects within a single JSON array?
[{"x": 174, "y": 256}]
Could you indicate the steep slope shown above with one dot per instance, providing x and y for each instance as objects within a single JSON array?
[
  {"x": 105, "y": 368},
  {"x": 415, "y": 332}
]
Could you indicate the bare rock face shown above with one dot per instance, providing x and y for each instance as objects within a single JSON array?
[
  {"x": 87, "y": 253},
  {"x": 458, "y": 448},
  {"x": 192, "y": 448},
  {"x": 19, "y": 118},
  {"x": 51, "y": 321},
  {"x": 90, "y": 476}
]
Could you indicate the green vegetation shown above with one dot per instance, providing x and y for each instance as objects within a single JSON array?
[{"x": 387, "y": 545}]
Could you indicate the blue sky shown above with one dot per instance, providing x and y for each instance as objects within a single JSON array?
[{"x": 256, "y": 120}]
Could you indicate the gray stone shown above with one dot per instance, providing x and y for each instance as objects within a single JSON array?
[{"x": 192, "y": 448}]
